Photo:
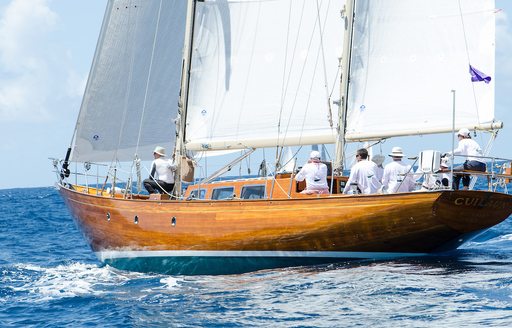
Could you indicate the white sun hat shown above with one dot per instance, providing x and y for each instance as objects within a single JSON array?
[
  {"x": 315, "y": 154},
  {"x": 397, "y": 152},
  {"x": 463, "y": 132},
  {"x": 159, "y": 150}
]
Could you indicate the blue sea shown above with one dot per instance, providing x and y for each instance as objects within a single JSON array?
[{"x": 50, "y": 278}]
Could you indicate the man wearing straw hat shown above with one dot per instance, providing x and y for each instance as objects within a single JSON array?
[
  {"x": 396, "y": 176},
  {"x": 161, "y": 178}
]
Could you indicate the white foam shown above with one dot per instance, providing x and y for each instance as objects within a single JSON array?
[
  {"x": 67, "y": 280},
  {"x": 169, "y": 282},
  {"x": 506, "y": 237},
  {"x": 77, "y": 279}
]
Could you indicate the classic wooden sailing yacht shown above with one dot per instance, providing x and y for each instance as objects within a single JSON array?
[{"x": 261, "y": 74}]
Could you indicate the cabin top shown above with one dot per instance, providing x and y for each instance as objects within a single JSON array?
[{"x": 283, "y": 186}]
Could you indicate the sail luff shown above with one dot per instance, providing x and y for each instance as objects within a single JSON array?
[
  {"x": 344, "y": 87},
  {"x": 183, "y": 101}
]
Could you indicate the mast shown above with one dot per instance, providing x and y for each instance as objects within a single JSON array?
[
  {"x": 345, "y": 67},
  {"x": 179, "y": 150}
]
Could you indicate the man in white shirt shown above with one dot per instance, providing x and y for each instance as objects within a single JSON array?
[
  {"x": 397, "y": 177},
  {"x": 363, "y": 177},
  {"x": 469, "y": 148},
  {"x": 161, "y": 178},
  {"x": 315, "y": 174}
]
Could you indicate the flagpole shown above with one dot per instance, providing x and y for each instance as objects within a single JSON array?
[{"x": 453, "y": 134}]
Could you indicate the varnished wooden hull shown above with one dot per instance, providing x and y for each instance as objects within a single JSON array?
[{"x": 211, "y": 237}]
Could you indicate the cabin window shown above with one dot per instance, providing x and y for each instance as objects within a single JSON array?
[
  {"x": 197, "y": 193},
  {"x": 253, "y": 192},
  {"x": 223, "y": 193}
]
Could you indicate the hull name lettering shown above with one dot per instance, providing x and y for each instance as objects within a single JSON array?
[{"x": 479, "y": 202}]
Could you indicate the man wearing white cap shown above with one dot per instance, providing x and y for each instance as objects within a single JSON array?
[
  {"x": 315, "y": 174},
  {"x": 396, "y": 176},
  {"x": 363, "y": 176},
  {"x": 469, "y": 148},
  {"x": 161, "y": 178}
]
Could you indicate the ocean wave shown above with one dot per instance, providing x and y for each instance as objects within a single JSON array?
[
  {"x": 507, "y": 237},
  {"x": 29, "y": 282},
  {"x": 39, "y": 283}
]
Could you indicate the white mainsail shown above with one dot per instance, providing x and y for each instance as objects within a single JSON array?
[
  {"x": 262, "y": 73},
  {"x": 131, "y": 96},
  {"x": 265, "y": 73},
  {"x": 407, "y": 57}
]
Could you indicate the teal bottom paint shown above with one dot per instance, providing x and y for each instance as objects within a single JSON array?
[{"x": 193, "y": 265}]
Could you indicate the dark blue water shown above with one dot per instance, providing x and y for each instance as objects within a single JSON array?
[{"x": 50, "y": 278}]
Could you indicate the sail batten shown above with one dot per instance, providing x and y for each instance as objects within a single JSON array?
[{"x": 134, "y": 82}]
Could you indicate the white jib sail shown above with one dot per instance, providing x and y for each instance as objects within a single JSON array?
[
  {"x": 131, "y": 97},
  {"x": 262, "y": 72},
  {"x": 407, "y": 57}
]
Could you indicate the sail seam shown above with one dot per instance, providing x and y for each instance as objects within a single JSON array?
[
  {"x": 317, "y": 21},
  {"x": 149, "y": 77},
  {"x": 279, "y": 149},
  {"x": 128, "y": 91},
  {"x": 321, "y": 34},
  {"x": 249, "y": 69}
]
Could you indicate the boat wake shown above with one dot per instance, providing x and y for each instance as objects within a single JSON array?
[
  {"x": 490, "y": 240},
  {"x": 34, "y": 283}
]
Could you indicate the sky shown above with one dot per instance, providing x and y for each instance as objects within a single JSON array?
[{"x": 46, "y": 51}]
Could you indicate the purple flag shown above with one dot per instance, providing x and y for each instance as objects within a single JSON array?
[{"x": 477, "y": 76}]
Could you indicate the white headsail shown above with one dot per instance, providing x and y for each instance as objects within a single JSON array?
[
  {"x": 262, "y": 73},
  {"x": 407, "y": 57},
  {"x": 131, "y": 97}
]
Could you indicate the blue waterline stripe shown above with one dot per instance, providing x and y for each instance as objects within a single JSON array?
[{"x": 106, "y": 255}]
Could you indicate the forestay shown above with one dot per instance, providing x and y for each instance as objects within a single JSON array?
[
  {"x": 130, "y": 101},
  {"x": 262, "y": 73},
  {"x": 407, "y": 57}
]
